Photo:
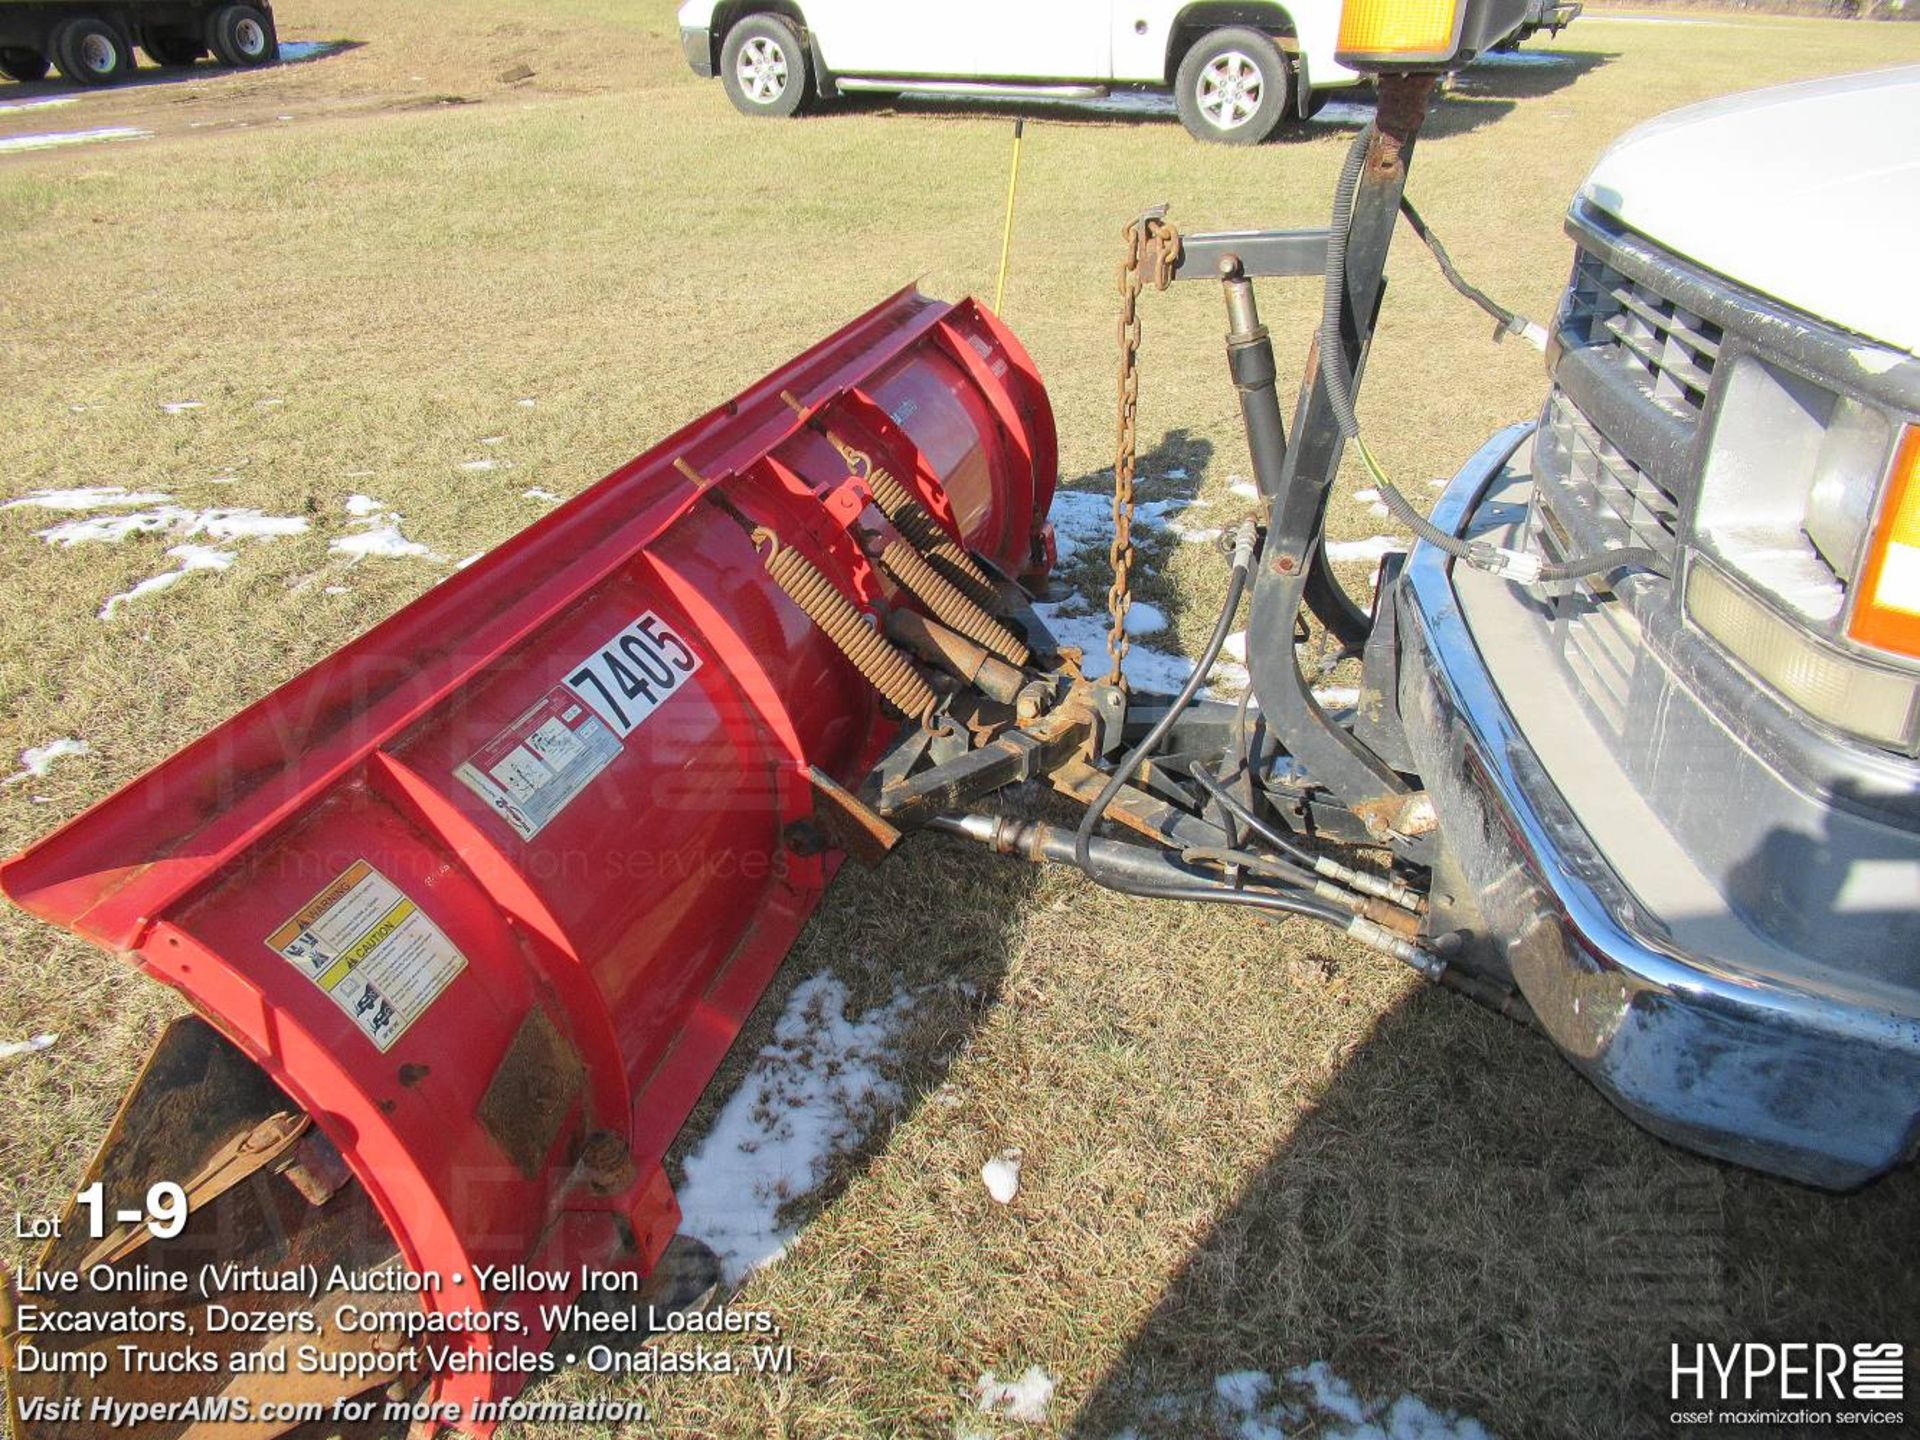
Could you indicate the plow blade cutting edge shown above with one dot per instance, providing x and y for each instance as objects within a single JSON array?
[{"x": 471, "y": 911}]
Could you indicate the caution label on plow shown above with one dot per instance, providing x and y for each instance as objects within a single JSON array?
[{"x": 370, "y": 948}]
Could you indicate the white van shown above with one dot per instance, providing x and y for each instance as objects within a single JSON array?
[{"x": 1236, "y": 69}]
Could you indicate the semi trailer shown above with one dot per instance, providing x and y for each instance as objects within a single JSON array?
[
  {"x": 470, "y": 912},
  {"x": 93, "y": 42}
]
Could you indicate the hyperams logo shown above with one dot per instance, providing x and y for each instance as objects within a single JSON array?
[{"x": 1794, "y": 1383}]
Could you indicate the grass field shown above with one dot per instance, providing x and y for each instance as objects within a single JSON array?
[{"x": 1245, "y": 1148}]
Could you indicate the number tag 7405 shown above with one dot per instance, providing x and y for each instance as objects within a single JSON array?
[{"x": 631, "y": 676}]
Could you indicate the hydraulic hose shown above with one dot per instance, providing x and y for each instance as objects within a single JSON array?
[
  {"x": 1136, "y": 870},
  {"x": 1338, "y": 378},
  {"x": 1124, "y": 771}
]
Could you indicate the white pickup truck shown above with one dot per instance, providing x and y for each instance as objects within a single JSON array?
[{"x": 1236, "y": 69}]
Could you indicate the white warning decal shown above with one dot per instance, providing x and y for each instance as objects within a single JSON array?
[
  {"x": 373, "y": 950},
  {"x": 530, "y": 770}
]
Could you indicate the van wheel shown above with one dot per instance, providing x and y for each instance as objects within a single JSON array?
[
  {"x": 763, "y": 66},
  {"x": 25, "y": 66},
  {"x": 175, "y": 52},
  {"x": 242, "y": 36},
  {"x": 1232, "y": 87},
  {"x": 91, "y": 52}
]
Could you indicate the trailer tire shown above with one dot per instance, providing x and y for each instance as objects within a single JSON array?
[
  {"x": 89, "y": 51},
  {"x": 1232, "y": 87},
  {"x": 763, "y": 66},
  {"x": 172, "y": 50},
  {"x": 242, "y": 37},
  {"x": 24, "y": 65}
]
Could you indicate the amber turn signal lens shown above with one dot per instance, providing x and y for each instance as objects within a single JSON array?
[
  {"x": 1886, "y": 612},
  {"x": 1380, "y": 33}
]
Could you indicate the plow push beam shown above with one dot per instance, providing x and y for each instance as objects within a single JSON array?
[{"x": 472, "y": 910}]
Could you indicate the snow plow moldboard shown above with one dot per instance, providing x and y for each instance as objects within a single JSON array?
[{"x": 471, "y": 911}]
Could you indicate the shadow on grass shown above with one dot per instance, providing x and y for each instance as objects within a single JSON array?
[{"x": 1462, "y": 1217}]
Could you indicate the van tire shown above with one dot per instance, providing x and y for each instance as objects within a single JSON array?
[
  {"x": 89, "y": 51},
  {"x": 1232, "y": 87},
  {"x": 242, "y": 37},
  {"x": 763, "y": 66}
]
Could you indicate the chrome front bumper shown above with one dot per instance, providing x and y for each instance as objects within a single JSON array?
[{"x": 1786, "y": 1080}]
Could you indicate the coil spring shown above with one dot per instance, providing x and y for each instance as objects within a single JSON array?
[
  {"x": 886, "y": 668},
  {"x": 946, "y": 555},
  {"x": 949, "y": 606}
]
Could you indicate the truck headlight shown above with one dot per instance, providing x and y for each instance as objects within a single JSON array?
[
  {"x": 1847, "y": 693},
  {"x": 1886, "y": 610},
  {"x": 1846, "y": 473}
]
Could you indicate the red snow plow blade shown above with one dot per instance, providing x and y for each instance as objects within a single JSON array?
[{"x": 473, "y": 909}]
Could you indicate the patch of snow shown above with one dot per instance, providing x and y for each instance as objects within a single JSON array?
[
  {"x": 1250, "y": 1402},
  {"x": 15, "y": 1048},
  {"x": 292, "y": 52},
  {"x": 36, "y": 760},
  {"x": 1025, "y": 1400},
  {"x": 177, "y": 521},
  {"x": 1343, "y": 112},
  {"x": 88, "y": 497},
  {"x": 337, "y": 590},
  {"x": 1073, "y": 623},
  {"x": 1521, "y": 60},
  {"x": 810, "y": 1095},
  {"x": 46, "y": 104},
  {"x": 386, "y": 542},
  {"x": 180, "y": 407},
  {"x": 1372, "y": 548},
  {"x": 493, "y": 439},
  {"x": 377, "y": 533},
  {"x": 1145, "y": 619},
  {"x": 1001, "y": 1176},
  {"x": 487, "y": 464},
  {"x": 191, "y": 558},
  {"x": 272, "y": 402},
  {"x": 1337, "y": 697},
  {"x": 1186, "y": 536},
  {"x": 463, "y": 564},
  {"x": 13, "y": 144},
  {"x": 1242, "y": 489},
  {"x": 526, "y": 402},
  {"x": 1083, "y": 521},
  {"x": 1178, "y": 472},
  {"x": 1242, "y": 1391},
  {"x": 538, "y": 494}
]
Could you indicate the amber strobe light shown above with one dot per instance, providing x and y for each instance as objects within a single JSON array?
[
  {"x": 1887, "y": 611},
  {"x": 1398, "y": 34}
]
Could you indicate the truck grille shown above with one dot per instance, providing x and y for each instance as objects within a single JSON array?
[
  {"x": 1670, "y": 351},
  {"x": 1597, "y": 493}
]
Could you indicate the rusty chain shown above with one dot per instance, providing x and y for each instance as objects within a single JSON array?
[{"x": 1153, "y": 253}]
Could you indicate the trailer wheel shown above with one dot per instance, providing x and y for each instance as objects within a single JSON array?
[
  {"x": 242, "y": 36},
  {"x": 1232, "y": 87},
  {"x": 175, "y": 51},
  {"x": 25, "y": 66},
  {"x": 763, "y": 66},
  {"x": 91, "y": 52}
]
